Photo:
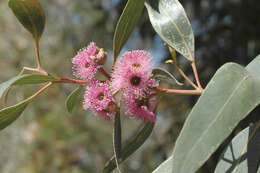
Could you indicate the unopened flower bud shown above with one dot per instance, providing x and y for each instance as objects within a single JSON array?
[{"x": 100, "y": 56}]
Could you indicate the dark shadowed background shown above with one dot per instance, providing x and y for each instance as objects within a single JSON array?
[{"x": 47, "y": 139}]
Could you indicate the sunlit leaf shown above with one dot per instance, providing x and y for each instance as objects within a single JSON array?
[
  {"x": 126, "y": 24},
  {"x": 229, "y": 97},
  {"x": 173, "y": 26},
  {"x": 30, "y": 14},
  {"x": 73, "y": 99},
  {"x": 243, "y": 153},
  {"x": 254, "y": 66}
]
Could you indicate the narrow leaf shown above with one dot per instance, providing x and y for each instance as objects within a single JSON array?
[
  {"x": 243, "y": 153},
  {"x": 72, "y": 99},
  {"x": 10, "y": 114},
  {"x": 24, "y": 79},
  {"x": 173, "y": 26},
  {"x": 117, "y": 139},
  {"x": 165, "y": 167},
  {"x": 33, "y": 79},
  {"x": 126, "y": 24},
  {"x": 30, "y": 14},
  {"x": 131, "y": 147},
  {"x": 165, "y": 76},
  {"x": 229, "y": 97}
]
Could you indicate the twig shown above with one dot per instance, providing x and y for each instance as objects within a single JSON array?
[
  {"x": 194, "y": 68},
  {"x": 180, "y": 92},
  {"x": 105, "y": 73}
]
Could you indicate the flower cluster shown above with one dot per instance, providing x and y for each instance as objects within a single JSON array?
[{"x": 131, "y": 76}]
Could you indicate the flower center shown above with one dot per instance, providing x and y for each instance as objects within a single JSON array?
[
  {"x": 101, "y": 96},
  {"x": 87, "y": 65},
  {"x": 136, "y": 65},
  {"x": 135, "y": 80},
  {"x": 142, "y": 102}
]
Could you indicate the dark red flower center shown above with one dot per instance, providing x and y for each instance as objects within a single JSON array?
[
  {"x": 136, "y": 65},
  {"x": 101, "y": 96},
  {"x": 87, "y": 65},
  {"x": 136, "y": 80}
]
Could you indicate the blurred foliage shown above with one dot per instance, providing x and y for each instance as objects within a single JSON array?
[{"x": 47, "y": 139}]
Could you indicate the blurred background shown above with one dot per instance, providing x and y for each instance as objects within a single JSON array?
[{"x": 47, "y": 139}]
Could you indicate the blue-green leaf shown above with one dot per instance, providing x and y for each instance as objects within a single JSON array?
[
  {"x": 229, "y": 97},
  {"x": 165, "y": 167},
  {"x": 165, "y": 76},
  {"x": 243, "y": 153},
  {"x": 173, "y": 26}
]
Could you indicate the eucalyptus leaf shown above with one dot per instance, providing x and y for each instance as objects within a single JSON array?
[
  {"x": 229, "y": 97},
  {"x": 30, "y": 14},
  {"x": 10, "y": 114},
  {"x": 165, "y": 76},
  {"x": 173, "y": 26},
  {"x": 126, "y": 24},
  {"x": 117, "y": 139},
  {"x": 243, "y": 153},
  {"x": 254, "y": 66},
  {"x": 33, "y": 79},
  {"x": 23, "y": 80},
  {"x": 72, "y": 99},
  {"x": 165, "y": 167},
  {"x": 131, "y": 147}
]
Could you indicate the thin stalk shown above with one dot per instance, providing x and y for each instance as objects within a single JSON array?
[
  {"x": 185, "y": 77},
  {"x": 105, "y": 73},
  {"x": 39, "y": 66},
  {"x": 41, "y": 90},
  {"x": 180, "y": 92},
  {"x": 194, "y": 68},
  {"x": 67, "y": 80}
]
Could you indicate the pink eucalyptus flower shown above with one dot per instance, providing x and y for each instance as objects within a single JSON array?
[
  {"x": 139, "y": 108},
  {"x": 133, "y": 71},
  {"x": 84, "y": 66},
  {"x": 99, "y": 99}
]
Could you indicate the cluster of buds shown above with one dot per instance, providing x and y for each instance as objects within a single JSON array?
[{"x": 131, "y": 76}]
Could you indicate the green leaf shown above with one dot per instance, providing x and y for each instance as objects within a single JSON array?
[
  {"x": 73, "y": 98},
  {"x": 243, "y": 153},
  {"x": 33, "y": 79},
  {"x": 165, "y": 167},
  {"x": 117, "y": 139},
  {"x": 131, "y": 147},
  {"x": 165, "y": 76},
  {"x": 23, "y": 80},
  {"x": 229, "y": 97},
  {"x": 30, "y": 14},
  {"x": 10, "y": 114},
  {"x": 253, "y": 66},
  {"x": 126, "y": 24},
  {"x": 173, "y": 26}
]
